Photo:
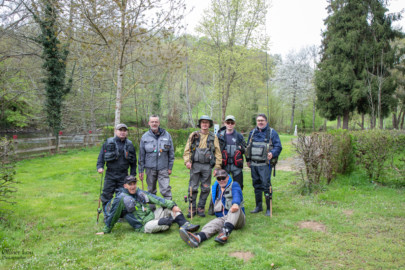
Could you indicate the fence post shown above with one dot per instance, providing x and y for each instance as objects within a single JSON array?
[
  {"x": 15, "y": 144},
  {"x": 50, "y": 143},
  {"x": 85, "y": 140},
  {"x": 58, "y": 148}
]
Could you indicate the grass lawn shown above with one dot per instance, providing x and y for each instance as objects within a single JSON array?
[{"x": 353, "y": 224}]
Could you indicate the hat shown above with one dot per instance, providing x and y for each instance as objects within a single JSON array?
[
  {"x": 221, "y": 173},
  {"x": 119, "y": 126},
  {"x": 129, "y": 179},
  {"x": 230, "y": 117},
  {"x": 205, "y": 117}
]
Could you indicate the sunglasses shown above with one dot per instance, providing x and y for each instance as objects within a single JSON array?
[
  {"x": 222, "y": 178},
  {"x": 230, "y": 122}
]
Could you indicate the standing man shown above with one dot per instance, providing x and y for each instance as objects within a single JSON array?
[
  {"x": 156, "y": 156},
  {"x": 232, "y": 147},
  {"x": 263, "y": 145},
  {"x": 228, "y": 200},
  {"x": 202, "y": 153},
  {"x": 119, "y": 154}
]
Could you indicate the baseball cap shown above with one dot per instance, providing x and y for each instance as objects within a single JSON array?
[
  {"x": 230, "y": 117},
  {"x": 119, "y": 126},
  {"x": 130, "y": 179},
  {"x": 221, "y": 173}
]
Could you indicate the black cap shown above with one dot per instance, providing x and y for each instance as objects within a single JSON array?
[{"x": 129, "y": 179}]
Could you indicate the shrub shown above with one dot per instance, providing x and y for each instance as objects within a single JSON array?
[
  {"x": 377, "y": 150},
  {"x": 325, "y": 155},
  {"x": 7, "y": 171}
]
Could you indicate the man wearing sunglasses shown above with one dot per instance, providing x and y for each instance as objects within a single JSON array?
[
  {"x": 233, "y": 147},
  {"x": 228, "y": 207}
]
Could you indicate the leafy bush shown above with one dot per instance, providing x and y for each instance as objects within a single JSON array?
[
  {"x": 378, "y": 150},
  {"x": 7, "y": 171}
]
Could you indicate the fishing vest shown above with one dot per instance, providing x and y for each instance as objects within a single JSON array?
[
  {"x": 111, "y": 152},
  {"x": 230, "y": 153},
  {"x": 203, "y": 155},
  {"x": 228, "y": 197},
  {"x": 257, "y": 151}
]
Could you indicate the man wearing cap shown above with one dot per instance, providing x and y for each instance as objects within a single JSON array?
[
  {"x": 264, "y": 146},
  {"x": 202, "y": 153},
  {"x": 132, "y": 204},
  {"x": 118, "y": 153},
  {"x": 233, "y": 147},
  {"x": 228, "y": 207},
  {"x": 156, "y": 156}
]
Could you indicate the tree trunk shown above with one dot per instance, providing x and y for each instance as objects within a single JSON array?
[
  {"x": 346, "y": 120},
  {"x": 362, "y": 121},
  {"x": 189, "y": 111},
  {"x": 339, "y": 122},
  {"x": 394, "y": 120},
  {"x": 292, "y": 111},
  {"x": 118, "y": 101},
  {"x": 313, "y": 115}
]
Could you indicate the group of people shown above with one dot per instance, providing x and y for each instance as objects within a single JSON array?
[{"x": 205, "y": 153}]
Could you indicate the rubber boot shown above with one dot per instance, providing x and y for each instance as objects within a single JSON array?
[
  {"x": 268, "y": 206},
  {"x": 259, "y": 208}
]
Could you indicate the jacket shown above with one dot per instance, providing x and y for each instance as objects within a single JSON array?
[
  {"x": 141, "y": 214},
  {"x": 126, "y": 156},
  {"x": 235, "y": 196},
  {"x": 260, "y": 136},
  {"x": 156, "y": 152},
  {"x": 203, "y": 144}
]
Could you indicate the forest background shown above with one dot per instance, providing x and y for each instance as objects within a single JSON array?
[{"x": 84, "y": 65}]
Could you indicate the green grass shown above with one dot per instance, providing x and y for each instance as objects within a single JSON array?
[{"x": 53, "y": 225}]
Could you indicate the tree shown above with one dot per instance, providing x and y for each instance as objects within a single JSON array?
[
  {"x": 294, "y": 77},
  {"x": 341, "y": 65},
  {"x": 231, "y": 27},
  {"x": 355, "y": 59},
  {"x": 131, "y": 31}
]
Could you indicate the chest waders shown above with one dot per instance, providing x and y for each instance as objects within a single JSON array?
[{"x": 257, "y": 152}]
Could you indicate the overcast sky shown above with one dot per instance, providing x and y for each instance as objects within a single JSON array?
[{"x": 291, "y": 24}]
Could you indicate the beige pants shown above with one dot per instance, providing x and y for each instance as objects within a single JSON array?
[
  {"x": 237, "y": 219},
  {"x": 153, "y": 227}
]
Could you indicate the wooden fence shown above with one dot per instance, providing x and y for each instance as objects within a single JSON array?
[{"x": 33, "y": 146}]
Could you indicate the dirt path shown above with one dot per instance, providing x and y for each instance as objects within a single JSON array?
[{"x": 290, "y": 164}]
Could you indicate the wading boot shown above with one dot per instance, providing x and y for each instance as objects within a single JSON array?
[
  {"x": 201, "y": 212},
  {"x": 223, "y": 236},
  {"x": 259, "y": 207},
  {"x": 191, "y": 239}
]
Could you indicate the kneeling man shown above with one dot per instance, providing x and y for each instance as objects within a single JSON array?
[
  {"x": 131, "y": 204},
  {"x": 228, "y": 207}
]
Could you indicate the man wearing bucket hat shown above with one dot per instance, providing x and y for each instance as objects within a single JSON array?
[
  {"x": 201, "y": 155},
  {"x": 118, "y": 153},
  {"x": 233, "y": 147},
  {"x": 228, "y": 207},
  {"x": 132, "y": 204}
]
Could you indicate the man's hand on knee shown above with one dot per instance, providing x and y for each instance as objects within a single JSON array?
[{"x": 234, "y": 208}]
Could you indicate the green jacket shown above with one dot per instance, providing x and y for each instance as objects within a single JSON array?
[{"x": 137, "y": 213}]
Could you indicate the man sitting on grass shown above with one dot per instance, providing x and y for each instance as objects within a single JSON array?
[
  {"x": 228, "y": 207},
  {"x": 132, "y": 204}
]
